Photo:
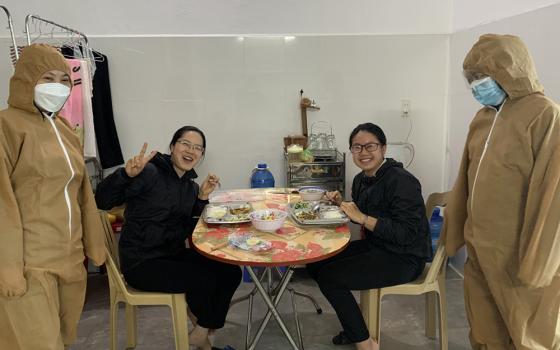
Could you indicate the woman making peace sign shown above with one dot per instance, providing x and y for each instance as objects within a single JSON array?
[{"x": 161, "y": 200}]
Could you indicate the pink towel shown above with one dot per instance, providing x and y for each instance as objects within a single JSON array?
[{"x": 73, "y": 110}]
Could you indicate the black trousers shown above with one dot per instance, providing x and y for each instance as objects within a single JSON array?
[
  {"x": 359, "y": 267},
  {"x": 209, "y": 285}
]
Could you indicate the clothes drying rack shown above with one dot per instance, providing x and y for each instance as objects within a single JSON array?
[
  {"x": 38, "y": 29},
  {"x": 14, "y": 54}
]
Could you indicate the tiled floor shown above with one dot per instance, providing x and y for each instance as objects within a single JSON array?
[{"x": 401, "y": 329}]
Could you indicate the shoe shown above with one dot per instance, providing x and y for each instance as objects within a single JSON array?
[
  {"x": 227, "y": 347},
  {"x": 341, "y": 339}
]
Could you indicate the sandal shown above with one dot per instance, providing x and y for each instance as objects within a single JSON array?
[{"x": 341, "y": 339}]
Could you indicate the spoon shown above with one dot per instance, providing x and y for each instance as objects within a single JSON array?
[{"x": 316, "y": 207}]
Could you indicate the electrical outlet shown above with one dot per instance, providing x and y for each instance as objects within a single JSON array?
[{"x": 405, "y": 108}]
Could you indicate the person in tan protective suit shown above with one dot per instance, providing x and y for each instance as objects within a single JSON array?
[
  {"x": 47, "y": 211},
  {"x": 505, "y": 205}
]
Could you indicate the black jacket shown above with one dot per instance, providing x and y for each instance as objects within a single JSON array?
[
  {"x": 159, "y": 211},
  {"x": 394, "y": 197}
]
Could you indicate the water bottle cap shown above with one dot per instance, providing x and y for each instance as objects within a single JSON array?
[
  {"x": 435, "y": 213},
  {"x": 262, "y": 166}
]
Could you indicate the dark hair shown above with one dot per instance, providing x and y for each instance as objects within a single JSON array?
[
  {"x": 372, "y": 129},
  {"x": 185, "y": 129}
]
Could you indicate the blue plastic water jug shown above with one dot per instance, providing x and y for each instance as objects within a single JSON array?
[
  {"x": 262, "y": 177},
  {"x": 436, "y": 221}
]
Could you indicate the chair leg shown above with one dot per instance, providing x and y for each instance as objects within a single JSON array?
[
  {"x": 371, "y": 311},
  {"x": 131, "y": 326},
  {"x": 431, "y": 311},
  {"x": 180, "y": 323},
  {"x": 364, "y": 305},
  {"x": 442, "y": 316},
  {"x": 113, "y": 334}
]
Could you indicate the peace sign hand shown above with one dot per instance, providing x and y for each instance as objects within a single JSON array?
[{"x": 136, "y": 164}]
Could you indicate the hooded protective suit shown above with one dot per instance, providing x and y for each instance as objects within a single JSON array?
[
  {"x": 505, "y": 206},
  {"x": 47, "y": 213}
]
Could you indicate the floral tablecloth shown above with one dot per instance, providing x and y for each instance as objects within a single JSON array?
[{"x": 291, "y": 245}]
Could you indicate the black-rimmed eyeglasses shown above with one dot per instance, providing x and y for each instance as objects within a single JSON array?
[{"x": 369, "y": 147}]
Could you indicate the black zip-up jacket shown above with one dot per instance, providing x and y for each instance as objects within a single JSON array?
[
  {"x": 159, "y": 211},
  {"x": 394, "y": 197}
]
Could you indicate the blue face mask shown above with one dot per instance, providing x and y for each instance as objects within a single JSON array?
[{"x": 488, "y": 92}]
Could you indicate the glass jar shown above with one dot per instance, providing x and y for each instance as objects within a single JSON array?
[
  {"x": 313, "y": 141},
  {"x": 331, "y": 142},
  {"x": 322, "y": 141}
]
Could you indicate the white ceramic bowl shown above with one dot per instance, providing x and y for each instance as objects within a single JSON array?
[
  {"x": 268, "y": 225},
  {"x": 309, "y": 194}
]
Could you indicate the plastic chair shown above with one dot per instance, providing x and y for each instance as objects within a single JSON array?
[
  {"x": 431, "y": 283},
  {"x": 121, "y": 293}
]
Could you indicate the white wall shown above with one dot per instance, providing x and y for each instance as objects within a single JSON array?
[
  {"x": 245, "y": 95},
  {"x": 537, "y": 29},
  {"x": 474, "y": 13},
  {"x": 195, "y": 17}
]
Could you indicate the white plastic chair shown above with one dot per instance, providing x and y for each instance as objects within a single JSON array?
[
  {"x": 431, "y": 283},
  {"x": 121, "y": 293}
]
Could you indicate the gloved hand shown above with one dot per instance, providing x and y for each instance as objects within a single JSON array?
[{"x": 13, "y": 287}]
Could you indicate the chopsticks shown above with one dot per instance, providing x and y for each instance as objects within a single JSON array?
[{"x": 219, "y": 246}]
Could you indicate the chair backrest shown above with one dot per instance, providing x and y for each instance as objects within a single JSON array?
[
  {"x": 110, "y": 240},
  {"x": 112, "y": 252},
  {"x": 440, "y": 257}
]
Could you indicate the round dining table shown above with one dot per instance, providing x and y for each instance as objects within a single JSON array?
[{"x": 292, "y": 245}]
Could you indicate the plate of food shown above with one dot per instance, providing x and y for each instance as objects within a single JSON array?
[
  {"x": 317, "y": 213},
  {"x": 249, "y": 241},
  {"x": 227, "y": 213}
]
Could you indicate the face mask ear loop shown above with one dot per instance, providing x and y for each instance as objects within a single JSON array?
[{"x": 44, "y": 114}]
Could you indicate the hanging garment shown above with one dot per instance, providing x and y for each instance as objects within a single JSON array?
[
  {"x": 73, "y": 108},
  {"x": 505, "y": 206},
  {"x": 90, "y": 147},
  {"x": 108, "y": 146},
  {"x": 48, "y": 215}
]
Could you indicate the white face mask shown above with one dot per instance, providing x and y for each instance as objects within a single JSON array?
[{"x": 51, "y": 97}]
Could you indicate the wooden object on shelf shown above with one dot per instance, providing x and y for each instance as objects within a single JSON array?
[{"x": 304, "y": 105}]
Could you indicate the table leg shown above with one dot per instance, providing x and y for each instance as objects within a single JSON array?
[
  {"x": 298, "y": 328},
  {"x": 272, "y": 311},
  {"x": 245, "y": 297},
  {"x": 249, "y": 321},
  {"x": 310, "y": 297}
]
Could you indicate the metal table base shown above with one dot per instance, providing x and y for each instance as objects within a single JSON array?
[{"x": 271, "y": 297}]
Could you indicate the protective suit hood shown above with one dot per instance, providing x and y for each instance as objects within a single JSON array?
[
  {"x": 506, "y": 59},
  {"x": 35, "y": 60}
]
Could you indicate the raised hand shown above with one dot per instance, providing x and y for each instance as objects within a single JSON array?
[
  {"x": 334, "y": 197},
  {"x": 208, "y": 186},
  {"x": 136, "y": 164}
]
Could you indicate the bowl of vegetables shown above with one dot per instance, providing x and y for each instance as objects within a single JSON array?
[{"x": 268, "y": 220}]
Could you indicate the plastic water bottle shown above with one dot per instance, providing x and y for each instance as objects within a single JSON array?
[
  {"x": 261, "y": 177},
  {"x": 436, "y": 221}
]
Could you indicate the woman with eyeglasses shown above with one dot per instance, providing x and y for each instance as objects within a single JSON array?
[
  {"x": 162, "y": 200},
  {"x": 387, "y": 202}
]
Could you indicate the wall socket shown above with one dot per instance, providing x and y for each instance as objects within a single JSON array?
[{"x": 405, "y": 108}]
